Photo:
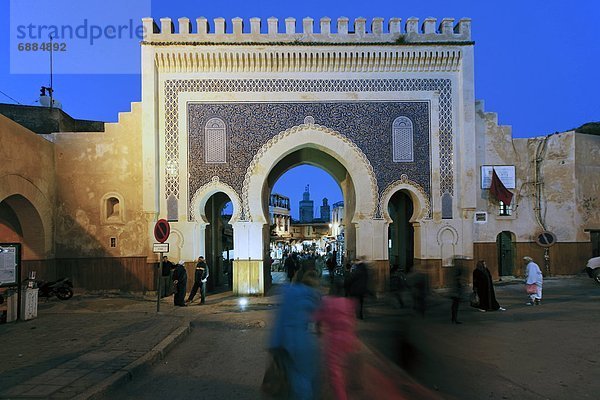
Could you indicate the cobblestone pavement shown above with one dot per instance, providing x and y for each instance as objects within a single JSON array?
[
  {"x": 84, "y": 346},
  {"x": 524, "y": 353},
  {"x": 80, "y": 348},
  {"x": 74, "y": 345}
]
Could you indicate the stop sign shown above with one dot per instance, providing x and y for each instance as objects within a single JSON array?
[{"x": 162, "y": 230}]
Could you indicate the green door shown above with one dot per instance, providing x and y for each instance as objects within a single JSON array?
[
  {"x": 505, "y": 253},
  {"x": 595, "y": 236}
]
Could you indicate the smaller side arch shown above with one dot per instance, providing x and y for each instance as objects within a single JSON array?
[
  {"x": 447, "y": 238},
  {"x": 205, "y": 192},
  {"x": 422, "y": 206},
  {"x": 176, "y": 242}
]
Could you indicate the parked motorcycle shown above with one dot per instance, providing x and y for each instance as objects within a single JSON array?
[{"x": 62, "y": 288}]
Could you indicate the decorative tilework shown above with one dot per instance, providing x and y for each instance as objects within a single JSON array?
[
  {"x": 215, "y": 139},
  {"x": 366, "y": 124},
  {"x": 402, "y": 139},
  {"x": 173, "y": 88}
]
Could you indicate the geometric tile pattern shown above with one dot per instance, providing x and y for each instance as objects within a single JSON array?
[
  {"x": 251, "y": 125},
  {"x": 173, "y": 88},
  {"x": 215, "y": 140},
  {"x": 402, "y": 139}
]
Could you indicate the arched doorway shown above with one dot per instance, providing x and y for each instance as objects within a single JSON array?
[
  {"x": 401, "y": 232},
  {"x": 20, "y": 222},
  {"x": 506, "y": 253},
  {"x": 218, "y": 239},
  {"x": 315, "y": 145},
  {"x": 405, "y": 206},
  {"x": 300, "y": 207},
  {"x": 339, "y": 177},
  {"x": 216, "y": 207}
]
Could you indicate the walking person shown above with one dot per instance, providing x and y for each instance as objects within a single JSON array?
[
  {"x": 484, "y": 287},
  {"x": 200, "y": 277},
  {"x": 533, "y": 276},
  {"x": 291, "y": 334},
  {"x": 166, "y": 283},
  {"x": 457, "y": 292},
  {"x": 357, "y": 284},
  {"x": 291, "y": 265},
  {"x": 180, "y": 283},
  {"x": 337, "y": 322}
]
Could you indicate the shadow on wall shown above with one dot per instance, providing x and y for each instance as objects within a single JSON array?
[{"x": 90, "y": 264}]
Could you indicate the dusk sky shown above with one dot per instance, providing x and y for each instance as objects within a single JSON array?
[{"x": 536, "y": 63}]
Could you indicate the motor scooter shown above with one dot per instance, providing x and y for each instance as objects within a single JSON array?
[{"x": 62, "y": 288}]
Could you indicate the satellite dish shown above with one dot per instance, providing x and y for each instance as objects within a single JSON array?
[{"x": 45, "y": 101}]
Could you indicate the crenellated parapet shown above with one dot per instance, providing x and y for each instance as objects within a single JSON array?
[{"x": 359, "y": 31}]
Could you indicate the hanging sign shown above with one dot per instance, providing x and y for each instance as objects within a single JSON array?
[{"x": 506, "y": 173}]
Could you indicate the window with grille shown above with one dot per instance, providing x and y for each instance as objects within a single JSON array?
[
  {"x": 504, "y": 209},
  {"x": 215, "y": 141},
  {"x": 402, "y": 140}
]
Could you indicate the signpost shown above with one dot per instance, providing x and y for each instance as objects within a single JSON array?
[
  {"x": 546, "y": 239},
  {"x": 161, "y": 234}
]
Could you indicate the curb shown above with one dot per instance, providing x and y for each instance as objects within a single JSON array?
[{"x": 128, "y": 372}]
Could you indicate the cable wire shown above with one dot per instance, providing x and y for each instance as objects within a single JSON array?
[{"x": 16, "y": 101}]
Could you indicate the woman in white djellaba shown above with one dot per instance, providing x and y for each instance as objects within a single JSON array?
[{"x": 533, "y": 276}]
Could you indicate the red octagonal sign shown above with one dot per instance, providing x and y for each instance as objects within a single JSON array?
[{"x": 162, "y": 230}]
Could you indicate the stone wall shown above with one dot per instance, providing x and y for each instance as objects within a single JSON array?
[
  {"x": 91, "y": 169},
  {"x": 27, "y": 186}
]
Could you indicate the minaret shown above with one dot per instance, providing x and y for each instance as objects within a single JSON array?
[
  {"x": 306, "y": 207},
  {"x": 325, "y": 211}
]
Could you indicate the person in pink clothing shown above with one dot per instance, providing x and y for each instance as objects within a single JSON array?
[{"x": 337, "y": 322}]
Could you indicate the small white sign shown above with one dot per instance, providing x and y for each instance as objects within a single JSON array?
[
  {"x": 506, "y": 173},
  {"x": 8, "y": 265},
  {"x": 160, "y": 247},
  {"x": 480, "y": 217}
]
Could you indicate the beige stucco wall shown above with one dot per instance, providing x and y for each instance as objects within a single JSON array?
[
  {"x": 27, "y": 169},
  {"x": 569, "y": 166},
  {"x": 91, "y": 167},
  {"x": 587, "y": 174}
]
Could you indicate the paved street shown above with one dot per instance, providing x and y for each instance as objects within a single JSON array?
[
  {"x": 544, "y": 352},
  {"x": 74, "y": 345},
  {"x": 78, "y": 349}
]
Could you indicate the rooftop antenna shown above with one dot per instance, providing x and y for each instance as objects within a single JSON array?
[{"x": 51, "y": 89}]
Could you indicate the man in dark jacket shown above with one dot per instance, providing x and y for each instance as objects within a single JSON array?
[
  {"x": 291, "y": 266},
  {"x": 357, "y": 284},
  {"x": 180, "y": 282},
  {"x": 200, "y": 278},
  {"x": 166, "y": 284}
]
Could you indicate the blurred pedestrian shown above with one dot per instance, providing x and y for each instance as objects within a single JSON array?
[
  {"x": 484, "y": 287},
  {"x": 292, "y": 333},
  {"x": 337, "y": 322},
  {"x": 331, "y": 265},
  {"x": 418, "y": 282},
  {"x": 200, "y": 277},
  {"x": 534, "y": 279},
  {"x": 166, "y": 282},
  {"x": 458, "y": 285},
  {"x": 357, "y": 284},
  {"x": 180, "y": 283},
  {"x": 291, "y": 265},
  {"x": 319, "y": 265}
]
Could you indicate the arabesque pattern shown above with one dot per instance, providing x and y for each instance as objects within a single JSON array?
[{"x": 172, "y": 89}]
